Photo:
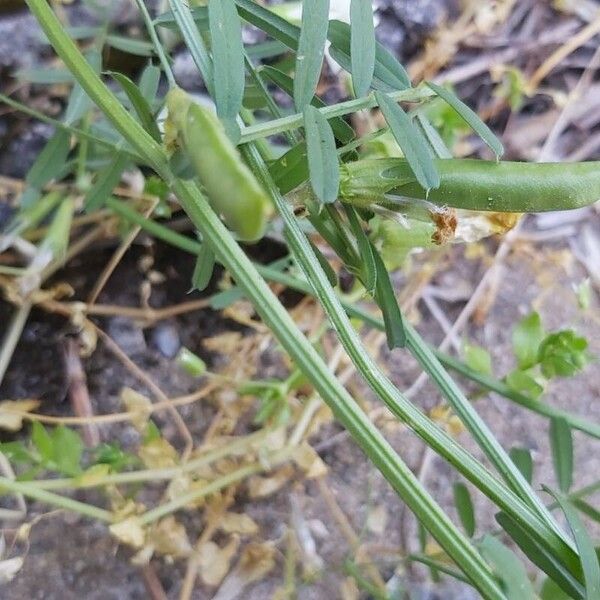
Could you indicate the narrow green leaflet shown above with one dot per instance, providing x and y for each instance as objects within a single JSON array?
[
  {"x": 342, "y": 131},
  {"x": 561, "y": 443},
  {"x": 522, "y": 458},
  {"x": 194, "y": 42},
  {"x": 561, "y": 570},
  {"x": 327, "y": 268},
  {"x": 388, "y": 74},
  {"x": 526, "y": 339},
  {"x": 106, "y": 182},
  {"x": 274, "y": 25},
  {"x": 477, "y": 358},
  {"x": 228, "y": 57},
  {"x": 411, "y": 142},
  {"x": 139, "y": 103},
  {"x": 199, "y": 15},
  {"x": 149, "y": 81},
  {"x": 44, "y": 76},
  {"x": 362, "y": 45},
  {"x": 130, "y": 45},
  {"x": 367, "y": 266},
  {"x": 471, "y": 118},
  {"x": 203, "y": 270},
  {"x": 464, "y": 507},
  {"x": 323, "y": 164},
  {"x": 386, "y": 300},
  {"x": 587, "y": 552},
  {"x": 311, "y": 48},
  {"x": 290, "y": 169},
  {"x": 508, "y": 568},
  {"x": 587, "y": 509},
  {"x": 51, "y": 160}
]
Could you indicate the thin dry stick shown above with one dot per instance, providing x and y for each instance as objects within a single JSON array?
[
  {"x": 115, "y": 417},
  {"x": 152, "y": 583},
  {"x": 115, "y": 259},
  {"x": 586, "y": 34},
  {"x": 78, "y": 392},
  {"x": 347, "y": 530},
  {"x": 143, "y": 377}
]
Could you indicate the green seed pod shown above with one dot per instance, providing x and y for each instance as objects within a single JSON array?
[
  {"x": 477, "y": 184},
  {"x": 231, "y": 187}
]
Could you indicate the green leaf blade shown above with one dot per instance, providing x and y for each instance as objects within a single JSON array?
[
  {"x": 228, "y": 57},
  {"x": 311, "y": 49},
  {"x": 471, "y": 118},
  {"x": 464, "y": 507},
  {"x": 587, "y": 552},
  {"x": 139, "y": 103},
  {"x": 561, "y": 443},
  {"x": 411, "y": 142},
  {"x": 323, "y": 162},
  {"x": 362, "y": 45}
]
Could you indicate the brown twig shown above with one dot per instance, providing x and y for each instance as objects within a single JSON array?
[{"x": 78, "y": 391}]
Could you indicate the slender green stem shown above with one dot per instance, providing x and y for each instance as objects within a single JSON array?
[
  {"x": 495, "y": 385},
  {"x": 164, "y": 61},
  {"x": 338, "y": 110},
  {"x": 153, "y": 474},
  {"x": 78, "y": 133},
  {"x": 276, "y": 317},
  {"x": 36, "y": 493}
]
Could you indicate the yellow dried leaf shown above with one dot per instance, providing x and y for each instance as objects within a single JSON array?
[
  {"x": 225, "y": 343},
  {"x": 256, "y": 561},
  {"x": 183, "y": 484},
  {"x": 238, "y": 523},
  {"x": 11, "y": 413},
  {"x": 377, "y": 519},
  {"x": 215, "y": 562},
  {"x": 309, "y": 461},
  {"x": 129, "y": 532},
  {"x": 138, "y": 406},
  {"x": 158, "y": 454},
  {"x": 169, "y": 537},
  {"x": 259, "y": 487}
]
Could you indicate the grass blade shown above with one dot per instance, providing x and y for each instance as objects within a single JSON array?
[
  {"x": 388, "y": 74},
  {"x": 464, "y": 507},
  {"x": 323, "y": 164},
  {"x": 471, "y": 118},
  {"x": 561, "y": 443},
  {"x": 50, "y": 161},
  {"x": 587, "y": 552},
  {"x": 509, "y": 568},
  {"x": 522, "y": 459},
  {"x": 139, "y": 103},
  {"x": 105, "y": 183},
  {"x": 411, "y": 142},
  {"x": 203, "y": 269},
  {"x": 560, "y": 568},
  {"x": 311, "y": 48},
  {"x": 228, "y": 57},
  {"x": 362, "y": 45}
]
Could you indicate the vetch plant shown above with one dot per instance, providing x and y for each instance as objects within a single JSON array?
[{"x": 229, "y": 193}]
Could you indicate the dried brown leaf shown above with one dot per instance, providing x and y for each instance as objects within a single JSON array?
[
  {"x": 11, "y": 413},
  {"x": 259, "y": 487},
  {"x": 215, "y": 562}
]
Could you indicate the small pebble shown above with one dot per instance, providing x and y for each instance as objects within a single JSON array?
[{"x": 165, "y": 338}]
